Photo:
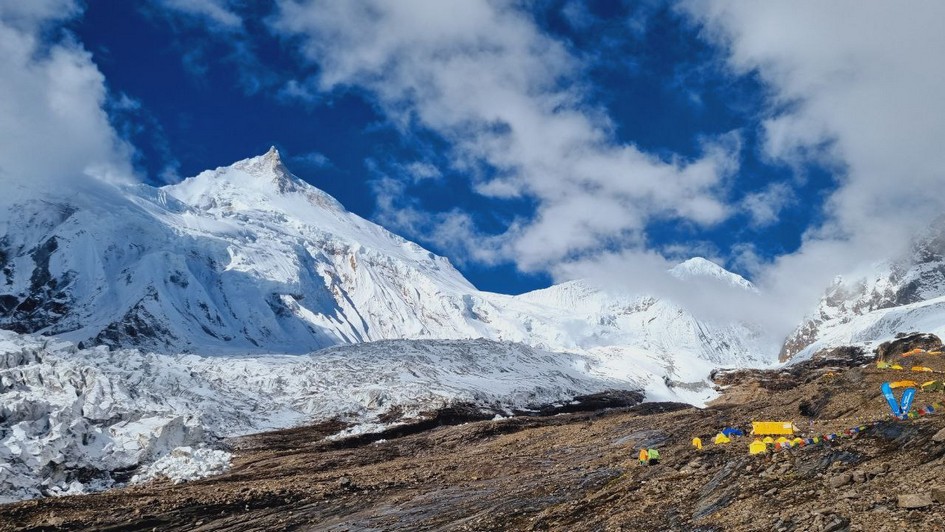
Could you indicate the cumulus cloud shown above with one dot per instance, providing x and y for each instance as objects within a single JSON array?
[
  {"x": 855, "y": 86},
  {"x": 508, "y": 100},
  {"x": 52, "y": 96}
]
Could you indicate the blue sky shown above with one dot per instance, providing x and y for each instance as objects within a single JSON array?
[{"x": 527, "y": 141}]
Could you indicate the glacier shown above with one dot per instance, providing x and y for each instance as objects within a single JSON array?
[{"x": 84, "y": 419}]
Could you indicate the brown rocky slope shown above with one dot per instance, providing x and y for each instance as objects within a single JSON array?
[{"x": 574, "y": 471}]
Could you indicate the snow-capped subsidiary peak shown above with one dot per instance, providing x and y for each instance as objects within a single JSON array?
[
  {"x": 698, "y": 267},
  {"x": 876, "y": 303}
]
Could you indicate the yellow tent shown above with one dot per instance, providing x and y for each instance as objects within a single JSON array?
[
  {"x": 934, "y": 353},
  {"x": 768, "y": 439},
  {"x": 756, "y": 447},
  {"x": 882, "y": 365},
  {"x": 902, "y": 384},
  {"x": 796, "y": 441},
  {"x": 721, "y": 438},
  {"x": 921, "y": 368},
  {"x": 895, "y": 366},
  {"x": 772, "y": 427},
  {"x": 697, "y": 443},
  {"x": 780, "y": 440}
]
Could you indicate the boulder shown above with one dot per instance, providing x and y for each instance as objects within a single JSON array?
[
  {"x": 938, "y": 495},
  {"x": 840, "y": 480},
  {"x": 915, "y": 501},
  {"x": 939, "y": 436}
]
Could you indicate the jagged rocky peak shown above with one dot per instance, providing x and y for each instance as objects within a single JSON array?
[{"x": 267, "y": 165}]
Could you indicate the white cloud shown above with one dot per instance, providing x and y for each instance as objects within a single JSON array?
[
  {"x": 314, "y": 158},
  {"x": 52, "y": 122},
  {"x": 422, "y": 171},
  {"x": 216, "y": 13},
  {"x": 858, "y": 86},
  {"x": 765, "y": 206},
  {"x": 506, "y": 97}
]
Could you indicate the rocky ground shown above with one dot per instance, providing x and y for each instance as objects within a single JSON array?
[{"x": 572, "y": 471}]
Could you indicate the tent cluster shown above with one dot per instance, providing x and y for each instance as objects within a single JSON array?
[
  {"x": 785, "y": 430},
  {"x": 769, "y": 443}
]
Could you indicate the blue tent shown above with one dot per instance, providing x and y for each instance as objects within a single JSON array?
[{"x": 729, "y": 431}]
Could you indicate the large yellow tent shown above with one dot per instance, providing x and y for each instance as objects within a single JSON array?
[{"x": 772, "y": 427}]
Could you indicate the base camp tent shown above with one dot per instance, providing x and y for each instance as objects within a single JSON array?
[
  {"x": 772, "y": 427},
  {"x": 757, "y": 447},
  {"x": 933, "y": 386}
]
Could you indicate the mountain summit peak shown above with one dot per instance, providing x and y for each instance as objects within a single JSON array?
[
  {"x": 250, "y": 184},
  {"x": 699, "y": 267},
  {"x": 268, "y": 165}
]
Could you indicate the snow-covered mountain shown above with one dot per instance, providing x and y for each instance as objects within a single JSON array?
[
  {"x": 872, "y": 306},
  {"x": 269, "y": 305},
  {"x": 250, "y": 259}
]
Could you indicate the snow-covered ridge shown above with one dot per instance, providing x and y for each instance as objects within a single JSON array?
[
  {"x": 872, "y": 306},
  {"x": 83, "y": 419},
  {"x": 250, "y": 259}
]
